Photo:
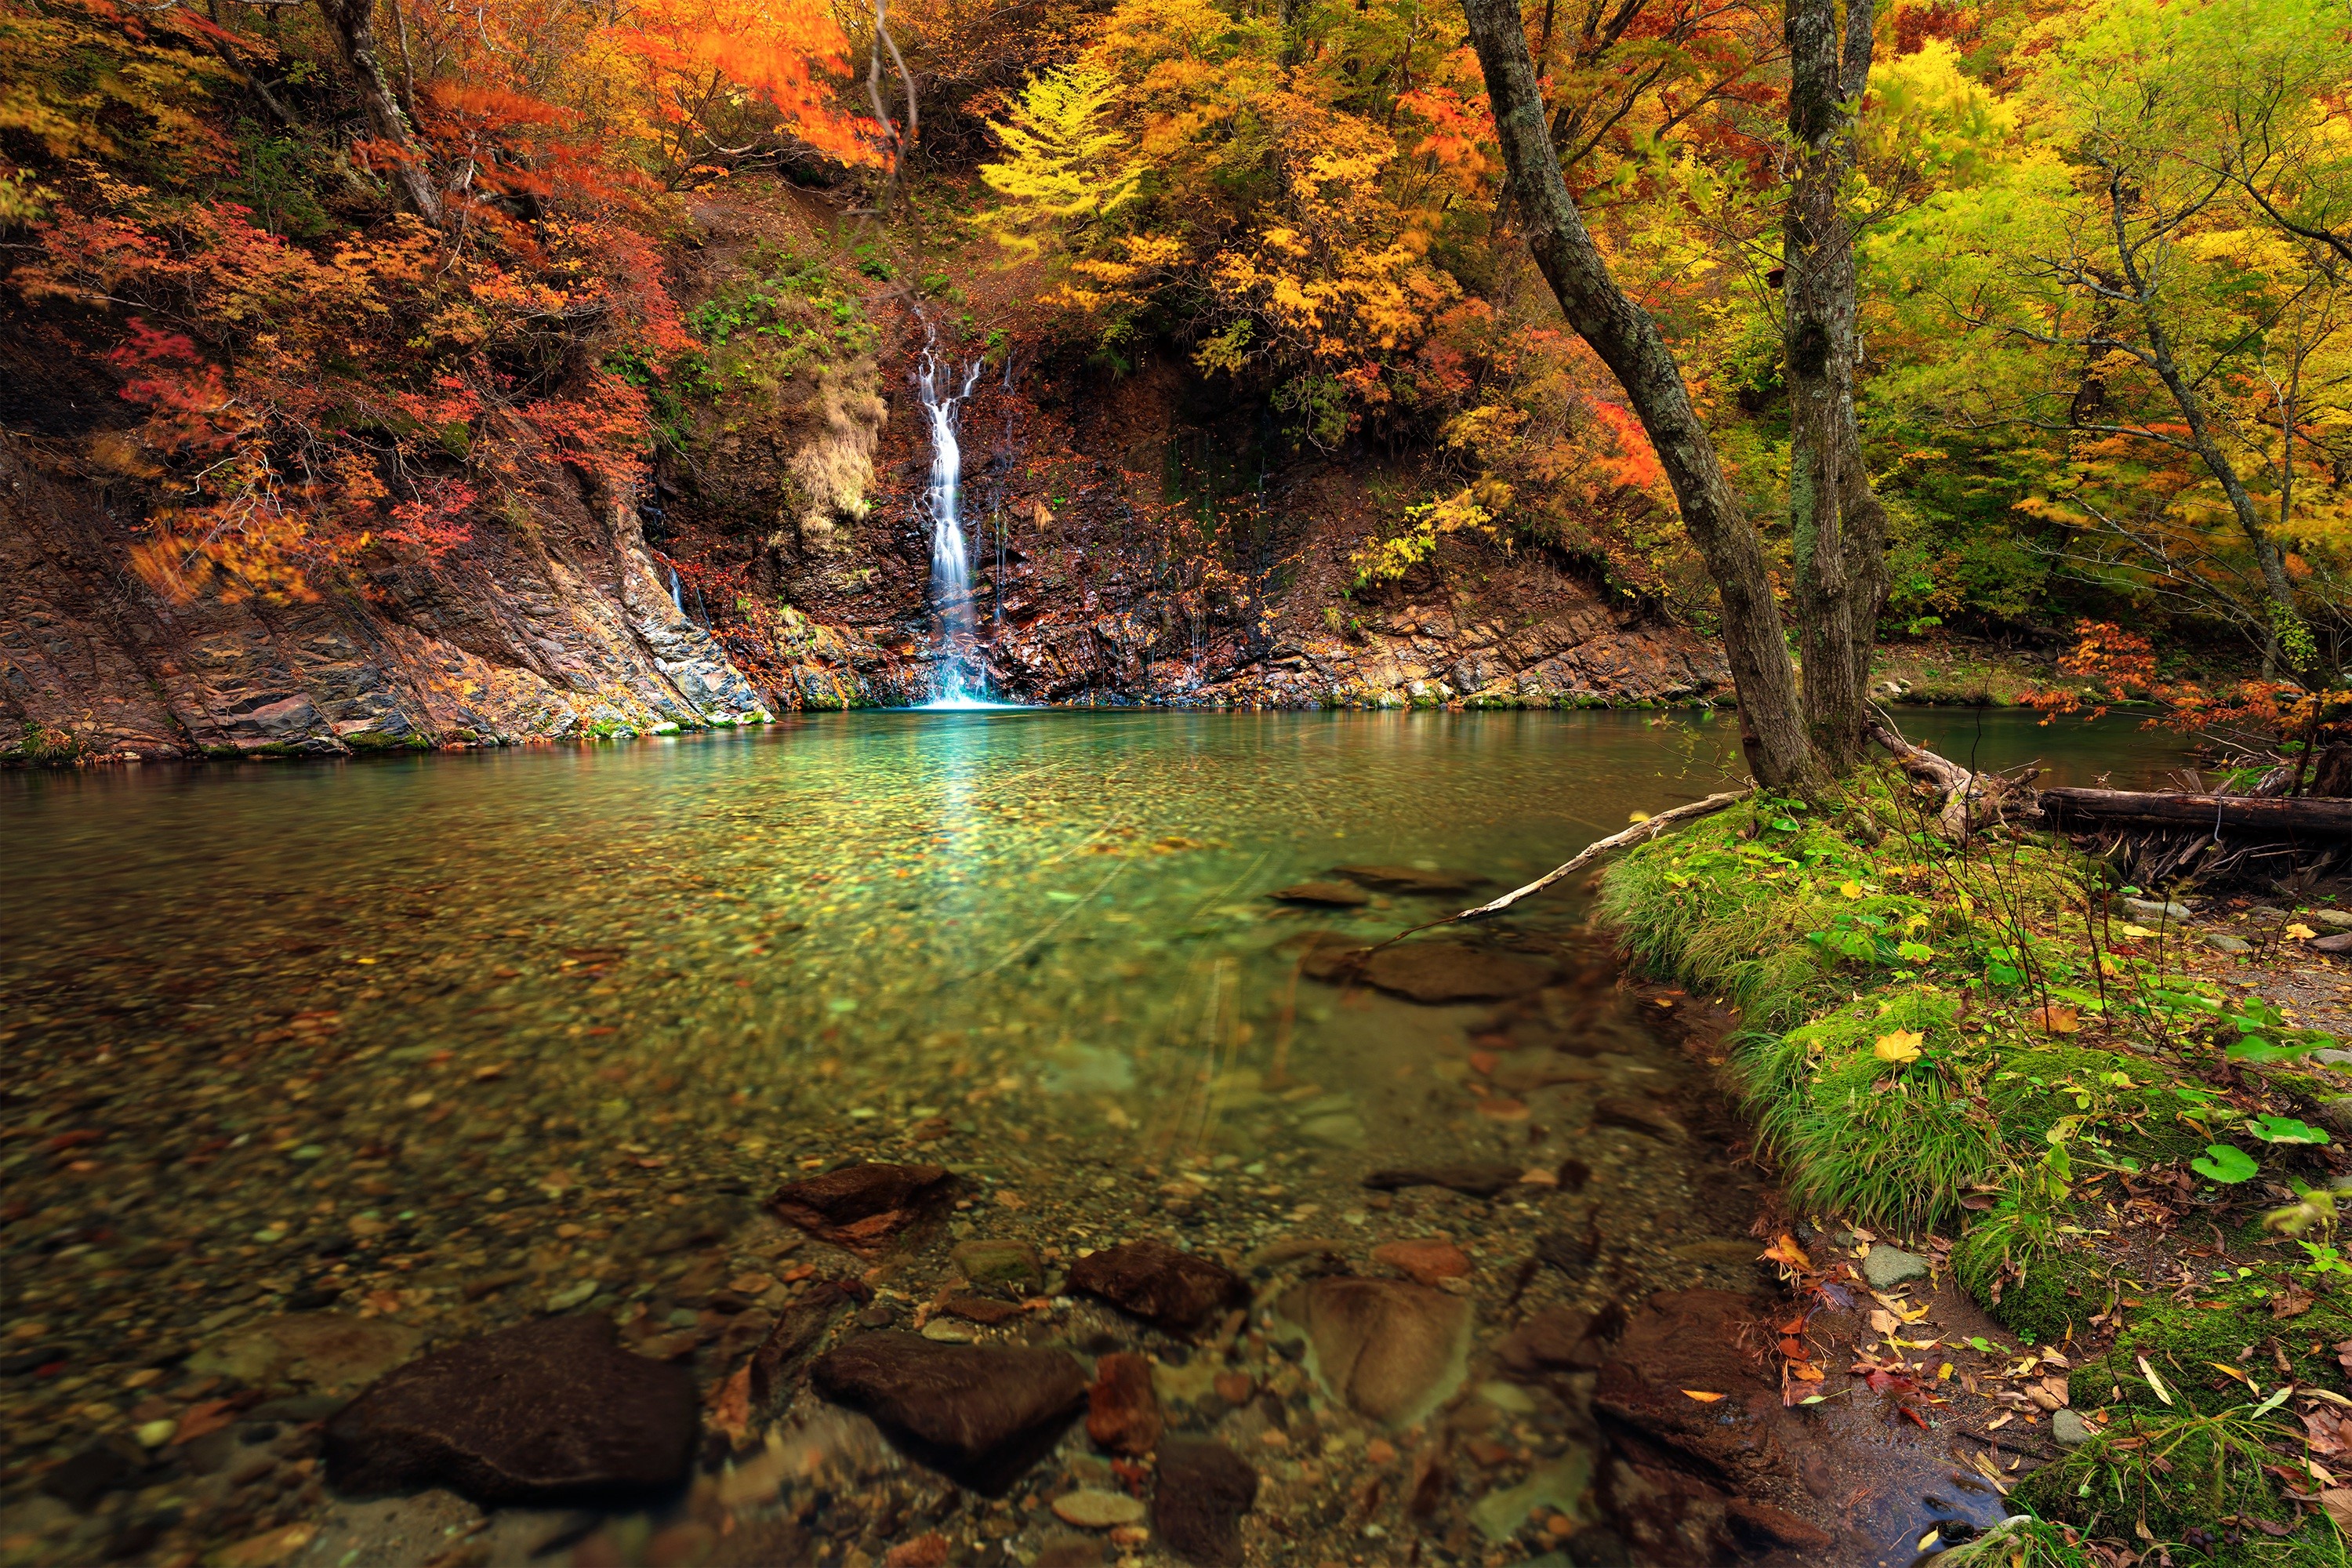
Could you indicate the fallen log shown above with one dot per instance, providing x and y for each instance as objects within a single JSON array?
[{"x": 2267, "y": 815}]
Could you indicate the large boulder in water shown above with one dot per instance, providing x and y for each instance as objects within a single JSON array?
[
  {"x": 1692, "y": 1340},
  {"x": 1440, "y": 972},
  {"x": 550, "y": 1412},
  {"x": 1392, "y": 1352},
  {"x": 865, "y": 1207},
  {"x": 978, "y": 1415}
]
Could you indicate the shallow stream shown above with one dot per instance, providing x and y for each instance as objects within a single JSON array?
[{"x": 441, "y": 1044}]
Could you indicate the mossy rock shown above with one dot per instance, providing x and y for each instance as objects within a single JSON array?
[
  {"x": 2183, "y": 1342},
  {"x": 2060, "y": 1291}
]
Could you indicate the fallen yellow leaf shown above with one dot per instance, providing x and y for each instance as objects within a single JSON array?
[
  {"x": 1702, "y": 1397},
  {"x": 1852, "y": 889},
  {"x": 2301, "y": 931},
  {"x": 1902, "y": 1046},
  {"x": 1637, "y": 818},
  {"x": 2058, "y": 1020}
]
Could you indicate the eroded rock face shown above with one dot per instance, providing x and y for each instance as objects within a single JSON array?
[
  {"x": 1441, "y": 972},
  {"x": 549, "y": 1412},
  {"x": 979, "y": 1414},
  {"x": 1392, "y": 1351},
  {"x": 1205, "y": 1488},
  {"x": 865, "y": 1207},
  {"x": 1167, "y": 1288},
  {"x": 566, "y": 629}
]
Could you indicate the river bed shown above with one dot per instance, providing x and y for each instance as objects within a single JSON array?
[{"x": 437, "y": 1046}]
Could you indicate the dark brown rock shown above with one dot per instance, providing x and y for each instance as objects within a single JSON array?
[
  {"x": 797, "y": 1331},
  {"x": 549, "y": 1412},
  {"x": 1330, "y": 895},
  {"x": 1409, "y": 879},
  {"x": 1560, "y": 1338},
  {"x": 1477, "y": 1180},
  {"x": 979, "y": 1414},
  {"x": 1571, "y": 1253},
  {"x": 1122, "y": 1411},
  {"x": 865, "y": 1207},
  {"x": 1168, "y": 1288},
  {"x": 1439, "y": 971},
  {"x": 981, "y": 1310},
  {"x": 1691, "y": 1340},
  {"x": 1197, "y": 1507},
  {"x": 1762, "y": 1527}
]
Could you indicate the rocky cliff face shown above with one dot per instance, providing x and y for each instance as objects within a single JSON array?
[
  {"x": 559, "y": 630},
  {"x": 1107, "y": 570}
]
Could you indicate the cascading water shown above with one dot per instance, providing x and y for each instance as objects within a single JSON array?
[{"x": 957, "y": 680}]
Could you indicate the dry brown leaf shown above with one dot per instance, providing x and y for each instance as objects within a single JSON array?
[{"x": 2058, "y": 1020}]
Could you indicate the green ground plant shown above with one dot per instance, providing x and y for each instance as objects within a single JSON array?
[{"x": 1983, "y": 1040}]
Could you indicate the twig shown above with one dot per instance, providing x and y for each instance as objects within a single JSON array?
[{"x": 1631, "y": 836}]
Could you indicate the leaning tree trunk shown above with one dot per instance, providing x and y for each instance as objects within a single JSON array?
[
  {"x": 1627, "y": 340},
  {"x": 353, "y": 24},
  {"x": 1838, "y": 527}
]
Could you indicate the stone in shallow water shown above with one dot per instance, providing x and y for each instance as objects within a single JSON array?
[
  {"x": 1014, "y": 1265},
  {"x": 325, "y": 1350},
  {"x": 1122, "y": 1411},
  {"x": 1333, "y": 895},
  {"x": 978, "y": 1415},
  {"x": 1392, "y": 1352},
  {"x": 1434, "y": 972},
  {"x": 1168, "y": 1288},
  {"x": 1410, "y": 880},
  {"x": 1427, "y": 1260},
  {"x": 549, "y": 1411},
  {"x": 1197, "y": 1507},
  {"x": 864, "y": 1207},
  {"x": 1559, "y": 1339},
  {"x": 1094, "y": 1510},
  {"x": 1477, "y": 1180}
]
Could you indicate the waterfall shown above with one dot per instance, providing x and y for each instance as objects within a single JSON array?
[
  {"x": 959, "y": 680},
  {"x": 676, "y": 594}
]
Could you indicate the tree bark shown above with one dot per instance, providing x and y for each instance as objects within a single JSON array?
[
  {"x": 353, "y": 22},
  {"x": 2285, "y": 623},
  {"x": 1772, "y": 734},
  {"x": 2244, "y": 812},
  {"x": 1837, "y": 524}
]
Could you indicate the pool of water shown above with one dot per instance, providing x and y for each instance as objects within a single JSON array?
[{"x": 421, "y": 1039}]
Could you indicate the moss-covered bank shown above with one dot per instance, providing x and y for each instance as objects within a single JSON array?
[{"x": 1996, "y": 1045}]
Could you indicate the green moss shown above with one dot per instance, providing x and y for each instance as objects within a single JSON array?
[
  {"x": 2194, "y": 1481},
  {"x": 2026, "y": 1279}
]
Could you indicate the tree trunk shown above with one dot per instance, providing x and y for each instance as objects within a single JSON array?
[
  {"x": 1838, "y": 527},
  {"x": 353, "y": 22},
  {"x": 1772, "y": 734}
]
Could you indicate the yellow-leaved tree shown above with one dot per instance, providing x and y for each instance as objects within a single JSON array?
[{"x": 1064, "y": 170}]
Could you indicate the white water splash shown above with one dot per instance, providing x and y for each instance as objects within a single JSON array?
[{"x": 957, "y": 680}]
